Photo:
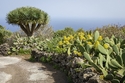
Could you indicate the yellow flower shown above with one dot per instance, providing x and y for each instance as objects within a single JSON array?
[
  {"x": 81, "y": 37},
  {"x": 100, "y": 38},
  {"x": 66, "y": 42},
  {"x": 101, "y": 77},
  {"x": 75, "y": 52},
  {"x": 90, "y": 43},
  {"x": 65, "y": 38},
  {"x": 60, "y": 43},
  {"x": 71, "y": 37},
  {"x": 106, "y": 45},
  {"x": 79, "y": 54},
  {"x": 68, "y": 38},
  {"x": 57, "y": 46},
  {"x": 89, "y": 36},
  {"x": 96, "y": 44},
  {"x": 81, "y": 33}
]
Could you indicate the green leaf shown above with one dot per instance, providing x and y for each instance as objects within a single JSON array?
[
  {"x": 115, "y": 81},
  {"x": 87, "y": 56},
  {"x": 121, "y": 72},
  {"x": 110, "y": 50},
  {"x": 69, "y": 51},
  {"x": 123, "y": 58},
  {"x": 101, "y": 59},
  {"x": 96, "y": 35},
  {"x": 102, "y": 49},
  {"x": 116, "y": 50},
  {"x": 82, "y": 49},
  {"x": 115, "y": 63}
]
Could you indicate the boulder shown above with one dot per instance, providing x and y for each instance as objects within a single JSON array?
[{"x": 4, "y": 48}]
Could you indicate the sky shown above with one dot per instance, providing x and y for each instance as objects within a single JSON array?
[{"x": 70, "y": 9}]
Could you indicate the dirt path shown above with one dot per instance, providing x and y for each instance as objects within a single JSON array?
[{"x": 18, "y": 70}]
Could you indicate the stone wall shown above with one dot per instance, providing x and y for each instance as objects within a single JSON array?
[{"x": 72, "y": 66}]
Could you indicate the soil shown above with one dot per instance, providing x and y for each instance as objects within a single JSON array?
[{"x": 17, "y": 69}]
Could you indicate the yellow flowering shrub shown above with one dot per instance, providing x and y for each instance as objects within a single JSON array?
[{"x": 84, "y": 39}]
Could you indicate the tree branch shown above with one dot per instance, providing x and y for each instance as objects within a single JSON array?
[
  {"x": 23, "y": 28},
  {"x": 37, "y": 27},
  {"x": 27, "y": 26},
  {"x": 33, "y": 28}
]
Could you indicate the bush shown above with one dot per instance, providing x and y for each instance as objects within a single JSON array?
[
  {"x": 109, "y": 30},
  {"x": 67, "y": 31},
  {"x": 4, "y": 35}
]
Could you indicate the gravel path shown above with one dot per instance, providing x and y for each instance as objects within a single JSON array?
[{"x": 18, "y": 70}]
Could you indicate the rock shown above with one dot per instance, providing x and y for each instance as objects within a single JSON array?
[
  {"x": 75, "y": 62},
  {"x": 88, "y": 75},
  {"x": 4, "y": 48},
  {"x": 96, "y": 79}
]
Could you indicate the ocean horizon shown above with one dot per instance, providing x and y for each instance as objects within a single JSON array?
[{"x": 59, "y": 24}]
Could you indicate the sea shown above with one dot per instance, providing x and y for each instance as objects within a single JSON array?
[{"x": 61, "y": 23}]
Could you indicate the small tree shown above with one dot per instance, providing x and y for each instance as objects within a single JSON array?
[{"x": 30, "y": 19}]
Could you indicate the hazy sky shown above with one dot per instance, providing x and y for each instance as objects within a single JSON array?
[
  {"x": 70, "y": 8},
  {"x": 74, "y": 13}
]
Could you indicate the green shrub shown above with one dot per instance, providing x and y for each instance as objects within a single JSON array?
[
  {"x": 67, "y": 31},
  {"x": 109, "y": 30},
  {"x": 25, "y": 44},
  {"x": 4, "y": 35}
]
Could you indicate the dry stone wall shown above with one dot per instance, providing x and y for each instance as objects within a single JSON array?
[{"x": 71, "y": 65}]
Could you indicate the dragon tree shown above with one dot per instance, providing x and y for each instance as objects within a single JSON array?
[{"x": 30, "y": 19}]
